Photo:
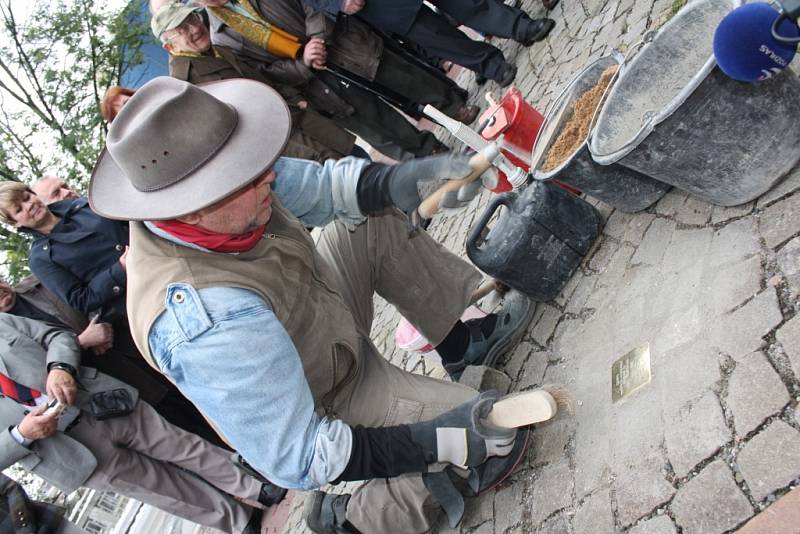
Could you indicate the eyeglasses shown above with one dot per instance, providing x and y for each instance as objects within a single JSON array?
[{"x": 184, "y": 27}]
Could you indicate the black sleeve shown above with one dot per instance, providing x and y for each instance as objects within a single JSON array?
[
  {"x": 372, "y": 190},
  {"x": 382, "y": 453}
]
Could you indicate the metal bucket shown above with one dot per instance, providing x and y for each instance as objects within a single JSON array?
[
  {"x": 617, "y": 186},
  {"x": 674, "y": 116}
]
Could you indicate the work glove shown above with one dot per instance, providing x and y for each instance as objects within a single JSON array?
[
  {"x": 407, "y": 184},
  {"x": 462, "y": 436}
]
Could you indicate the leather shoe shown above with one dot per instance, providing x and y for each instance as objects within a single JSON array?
[
  {"x": 507, "y": 76},
  {"x": 466, "y": 114},
  {"x": 549, "y": 4},
  {"x": 537, "y": 30},
  {"x": 253, "y": 526},
  {"x": 270, "y": 494}
]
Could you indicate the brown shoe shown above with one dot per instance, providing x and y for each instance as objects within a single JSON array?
[
  {"x": 466, "y": 114},
  {"x": 549, "y": 4}
]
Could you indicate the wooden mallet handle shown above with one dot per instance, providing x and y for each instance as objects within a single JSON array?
[{"x": 479, "y": 163}]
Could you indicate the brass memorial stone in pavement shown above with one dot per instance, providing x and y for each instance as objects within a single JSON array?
[{"x": 630, "y": 372}]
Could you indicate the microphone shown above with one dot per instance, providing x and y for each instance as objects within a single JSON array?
[{"x": 745, "y": 47}]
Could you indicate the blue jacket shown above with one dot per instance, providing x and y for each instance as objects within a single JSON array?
[
  {"x": 79, "y": 259},
  {"x": 393, "y": 16}
]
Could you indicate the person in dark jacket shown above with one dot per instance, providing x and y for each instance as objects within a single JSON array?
[
  {"x": 412, "y": 20},
  {"x": 20, "y": 515},
  {"x": 337, "y": 66}
]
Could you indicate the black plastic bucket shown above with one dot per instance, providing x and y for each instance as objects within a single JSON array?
[
  {"x": 617, "y": 186},
  {"x": 537, "y": 241},
  {"x": 674, "y": 116}
]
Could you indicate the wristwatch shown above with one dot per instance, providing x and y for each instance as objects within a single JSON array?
[{"x": 64, "y": 367}]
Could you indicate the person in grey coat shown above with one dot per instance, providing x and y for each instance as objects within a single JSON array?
[{"x": 138, "y": 454}]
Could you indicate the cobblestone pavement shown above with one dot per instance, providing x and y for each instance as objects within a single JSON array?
[{"x": 715, "y": 437}]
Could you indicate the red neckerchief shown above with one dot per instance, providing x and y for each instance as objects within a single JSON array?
[{"x": 212, "y": 240}]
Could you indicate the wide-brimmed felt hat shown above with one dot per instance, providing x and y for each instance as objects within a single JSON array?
[
  {"x": 176, "y": 148},
  {"x": 170, "y": 16}
]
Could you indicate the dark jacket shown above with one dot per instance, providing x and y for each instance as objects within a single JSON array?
[
  {"x": 20, "y": 515},
  {"x": 79, "y": 259},
  {"x": 393, "y": 16},
  {"x": 351, "y": 45},
  {"x": 313, "y": 136}
]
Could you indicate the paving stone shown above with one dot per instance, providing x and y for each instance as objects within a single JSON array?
[
  {"x": 695, "y": 432},
  {"x": 786, "y": 186},
  {"x": 655, "y": 241},
  {"x": 552, "y": 491},
  {"x": 711, "y": 501},
  {"x": 771, "y": 459},
  {"x": 755, "y": 391},
  {"x": 685, "y": 372},
  {"x": 533, "y": 373},
  {"x": 555, "y": 525},
  {"x": 581, "y": 294},
  {"x": 484, "y": 378},
  {"x": 594, "y": 516},
  {"x": 508, "y": 506},
  {"x": 549, "y": 441},
  {"x": 518, "y": 358},
  {"x": 722, "y": 214},
  {"x": 478, "y": 510},
  {"x": 734, "y": 242},
  {"x": 789, "y": 261},
  {"x": 780, "y": 221},
  {"x": 694, "y": 212},
  {"x": 486, "y": 528},
  {"x": 685, "y": 248},
  {"x": 603, "y": 255},
  {"x": 661, "y": 524},
  {"x": 789, "y": 336},
  {"x": 628, "y": 227},
  {"x": 726, "y": 287},
  {"x": 640, "y": 490},
  {"x": 546, "y": 325},
  {"x": 780, "y": 518},
  {"x": 740, "y": 332}
]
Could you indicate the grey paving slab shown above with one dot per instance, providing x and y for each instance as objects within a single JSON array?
[
  {"x": 485, "y": 378},
  {"x": 789, "y": 337},
  {"x": 551, "y": 491},
  {"x": 694, "y": 212},
  {"x": 642, "y": 489},
  {"x": 509, "y": 505},
  {"x": 755, "y": 391},
  {"x": 695, "y": 432},
  {"x": 780, "y": 221},
  {"x": 628, "y": 227},
  {"x": 533, "y": 373},
  {"x": 770, "y": 460},
  {"x": 594, "y": 516},
  {"x": 711, "y": 502},
  {"x": 549, "y": 441},
  {"x": 789, "y": 262},
  {"x": 516, "y": 362},
  {"x": 651, "y": 250},
  {"x": 741, "y": 332},
  {"x": 546, "y": 324},
  {"x": 661, "y": 524},
  {"x": 734, "y": 242},
  {"x": 479, "y": 511},
  {"x": 558, "y": 524},
  {"x": 722, "y": 214},
  {"x": 728, "y": 286},
  {"x": 788, "y": 185},
  {"x": 685, "y": 373}
]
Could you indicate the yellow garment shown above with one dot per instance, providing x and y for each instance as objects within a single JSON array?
[
  {"x": 256, "y": 30},
  {"x": 194, "y": 54}
]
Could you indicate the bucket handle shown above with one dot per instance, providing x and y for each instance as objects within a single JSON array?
[
  {"x": 649, "y": 117},
  {"x": 475, "y": 236}
]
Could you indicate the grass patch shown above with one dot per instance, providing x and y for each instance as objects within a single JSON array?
[{"x": 677, "y": 5}]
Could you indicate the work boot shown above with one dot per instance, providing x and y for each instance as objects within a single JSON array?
[
  {"x": 537, "y": 30},
  {"x": 466, "y": 114},
  {"x": 549, "y": 4},
  {"x": 449, "y": 487},
  {"x": 253, "y": 526},
  {"x": 507, "y": 75},
  {"x": 270, "y": 494},
  {"x": 325, "y": 513},
  {"x": 510, "y": 323}
]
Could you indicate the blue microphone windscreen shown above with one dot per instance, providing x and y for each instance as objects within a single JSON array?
[{"x": 744, "y": 46}]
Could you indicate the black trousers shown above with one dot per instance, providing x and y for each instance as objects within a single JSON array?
[
  {"x": 378, "y": 123},
  {"x": 491, "y": 17},
  {"x": 440, "y": 38}
]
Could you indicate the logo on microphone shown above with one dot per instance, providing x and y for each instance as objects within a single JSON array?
[{"x": 764, "y": 49}]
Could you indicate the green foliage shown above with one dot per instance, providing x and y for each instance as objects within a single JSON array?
[
  {"x": 677, "y": 5},
  {"x": 57, "y": 58}
]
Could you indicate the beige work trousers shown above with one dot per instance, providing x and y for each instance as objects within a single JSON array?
[
  {"x": 429, "y": 286},
  {"x": 143, "y": 456}
]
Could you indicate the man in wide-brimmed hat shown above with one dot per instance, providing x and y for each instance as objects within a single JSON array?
[{"x": 268, "y": 334}]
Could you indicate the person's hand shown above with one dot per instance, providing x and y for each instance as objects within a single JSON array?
[
  {"x": 416, "y": 179},
  {"x": 37, "y": 426},
  {"x": 314, "y": 53},
  {"x": 351, "y": 7},
  {"x": 97, "y": 335},
  {"x": 62, "y": 386},
  {"x": 302, "y": 104},
  {"x": 123, "y": 260}
]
